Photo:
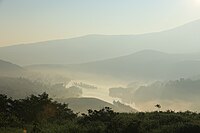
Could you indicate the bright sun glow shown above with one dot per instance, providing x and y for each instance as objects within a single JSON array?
[{"x": 197, "y": 2}]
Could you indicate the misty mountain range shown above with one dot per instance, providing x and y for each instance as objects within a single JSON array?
[
  {"x": 99, "y": 47},
  {"x": 147, "y": 64},
  {"x": 153, "y": 56}
]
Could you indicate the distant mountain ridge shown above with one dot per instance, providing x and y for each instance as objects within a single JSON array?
[
  {"x": 89, "y": 48},
  {"x": 146, "y": 64},
  {"x": 10, "y": 69}
]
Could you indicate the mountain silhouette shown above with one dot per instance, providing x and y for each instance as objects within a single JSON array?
[{"x": 89, "y": 48}]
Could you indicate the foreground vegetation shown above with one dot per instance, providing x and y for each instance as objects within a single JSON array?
[{"x": 40, "y": 114}]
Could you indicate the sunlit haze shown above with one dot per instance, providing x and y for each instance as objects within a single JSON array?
[
  {"x": 23, "y": 21},
  {"x": 100, "y": 66}
]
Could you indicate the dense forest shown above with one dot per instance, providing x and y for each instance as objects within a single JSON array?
[{"x": 41, "y": 114}]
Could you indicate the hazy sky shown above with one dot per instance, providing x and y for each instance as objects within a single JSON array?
[{"x": 23, "y": 21}]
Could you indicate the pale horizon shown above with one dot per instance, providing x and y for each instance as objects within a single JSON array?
[
  {"x": 72, "y": 37},
  {"x": 35, "y": 21}
]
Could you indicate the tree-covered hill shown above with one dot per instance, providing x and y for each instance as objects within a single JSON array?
[
  {"x": 84, "y": 103},
  {"x": 22, "y": 87}
]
